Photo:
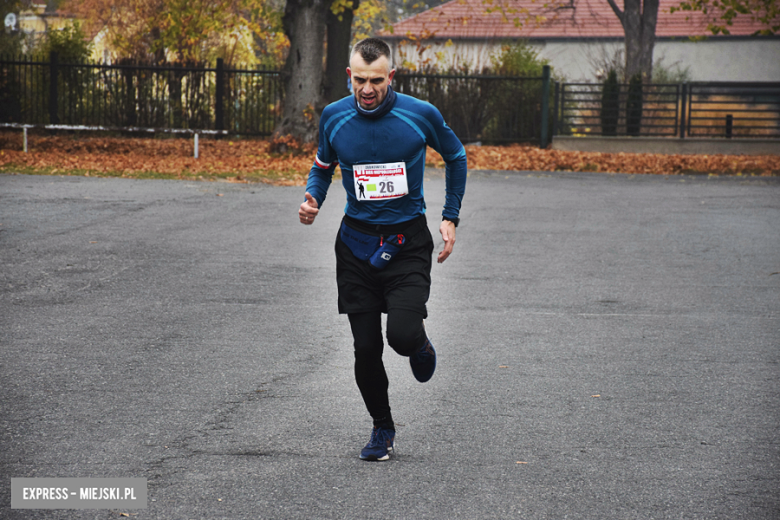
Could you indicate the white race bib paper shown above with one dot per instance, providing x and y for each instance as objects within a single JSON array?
[{"x": 380, "y": 181}]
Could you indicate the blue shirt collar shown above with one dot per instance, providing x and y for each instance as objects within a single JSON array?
[{"x": 382, "y": 109}]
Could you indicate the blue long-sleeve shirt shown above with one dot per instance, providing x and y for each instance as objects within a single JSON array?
[{"x": 348, "y": 138}]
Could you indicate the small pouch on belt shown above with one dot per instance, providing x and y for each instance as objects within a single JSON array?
[
  {"x": 388, "y": 248},
  {"x": 377, "y": 250}
]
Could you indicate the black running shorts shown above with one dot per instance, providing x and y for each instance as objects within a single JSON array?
[{"x": 405, "y": 283}]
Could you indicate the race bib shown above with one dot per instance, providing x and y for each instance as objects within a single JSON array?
[{"x": 380, "y": 181}]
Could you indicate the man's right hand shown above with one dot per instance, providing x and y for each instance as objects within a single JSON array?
[{"x": 308, "y": 210}]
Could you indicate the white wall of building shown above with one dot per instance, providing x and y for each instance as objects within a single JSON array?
[
  {"x": 708, "y": 60},
  {"x": 729, "y": 60}
]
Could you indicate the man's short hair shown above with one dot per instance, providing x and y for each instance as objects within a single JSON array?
[{"x": 371, "y": 49}]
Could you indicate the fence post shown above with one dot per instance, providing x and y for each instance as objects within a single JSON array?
[
  {"x": 54, "y": 119},
  {"x": 562, "y": 109},
  {"x": 555, "y": 109},
  {"x": 219, "y": 108},
  {"x": 683, "y": 100},
  {"x": 545, "y": 104},
  {"x": 729, "y": 125}
]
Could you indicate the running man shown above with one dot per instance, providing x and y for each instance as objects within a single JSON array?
[{"x": 384, "y": 248}]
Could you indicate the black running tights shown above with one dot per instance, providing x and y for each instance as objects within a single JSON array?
[{"x": 405, "y": 334}]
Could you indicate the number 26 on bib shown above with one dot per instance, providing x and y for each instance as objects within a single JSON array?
[{"x": 380, "y": 181}]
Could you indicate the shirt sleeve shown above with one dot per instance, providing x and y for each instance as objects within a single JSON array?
[
  {"x": 321, "y": 173},
  {"x": 456, "y": 165}
]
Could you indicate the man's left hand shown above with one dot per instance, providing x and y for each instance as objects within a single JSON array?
[{"x": 447, "y": 230}]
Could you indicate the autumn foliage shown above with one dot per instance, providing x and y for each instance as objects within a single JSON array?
[
  {"x": 185, "y": 31},
  {"x": 252, "y": 160}
]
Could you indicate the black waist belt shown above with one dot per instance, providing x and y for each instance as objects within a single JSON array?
[{"x": 408, "y": 228}]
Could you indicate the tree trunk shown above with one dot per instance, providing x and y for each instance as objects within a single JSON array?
[
  {"x": 610, "y": 104},
  {"x": 339, "y": 41},
  {"x": 304, "y": 24},
  {"x": 159, "y": 52},
  {"x": 639, "y": 18},
  {"x": 634, "y": 105}
]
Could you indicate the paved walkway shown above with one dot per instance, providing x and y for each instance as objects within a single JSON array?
[{"x": 609, "y": 349}]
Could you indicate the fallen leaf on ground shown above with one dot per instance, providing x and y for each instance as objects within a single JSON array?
[{"x": 252, "y": 160}]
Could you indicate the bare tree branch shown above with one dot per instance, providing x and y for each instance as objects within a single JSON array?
[{"x": 616, "y": 9}]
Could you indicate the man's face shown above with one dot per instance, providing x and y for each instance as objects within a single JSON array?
[{"x": 369, "y": 81}]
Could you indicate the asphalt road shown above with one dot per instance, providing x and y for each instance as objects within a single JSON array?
[{"x": 608, "y": 349}]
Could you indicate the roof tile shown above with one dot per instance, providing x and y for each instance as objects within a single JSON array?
[{"x": 464, "y": 19}]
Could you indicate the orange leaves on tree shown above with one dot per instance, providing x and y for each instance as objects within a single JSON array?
[{"x": 183, "y": 30}]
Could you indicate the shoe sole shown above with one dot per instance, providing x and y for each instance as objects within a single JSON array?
[{"x": 375, "y": 459}]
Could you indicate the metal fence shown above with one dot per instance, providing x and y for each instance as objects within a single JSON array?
[
  {"x": 492, "y": 109},
  {"x": 731, "y": 109},
  {"x": 711, "y": 109},
  {"x": 130, "y": 96}
]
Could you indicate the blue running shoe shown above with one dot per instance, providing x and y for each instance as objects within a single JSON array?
[
  {"x": 380, "y": 446},
  {"x": 423, "y": 362}
]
